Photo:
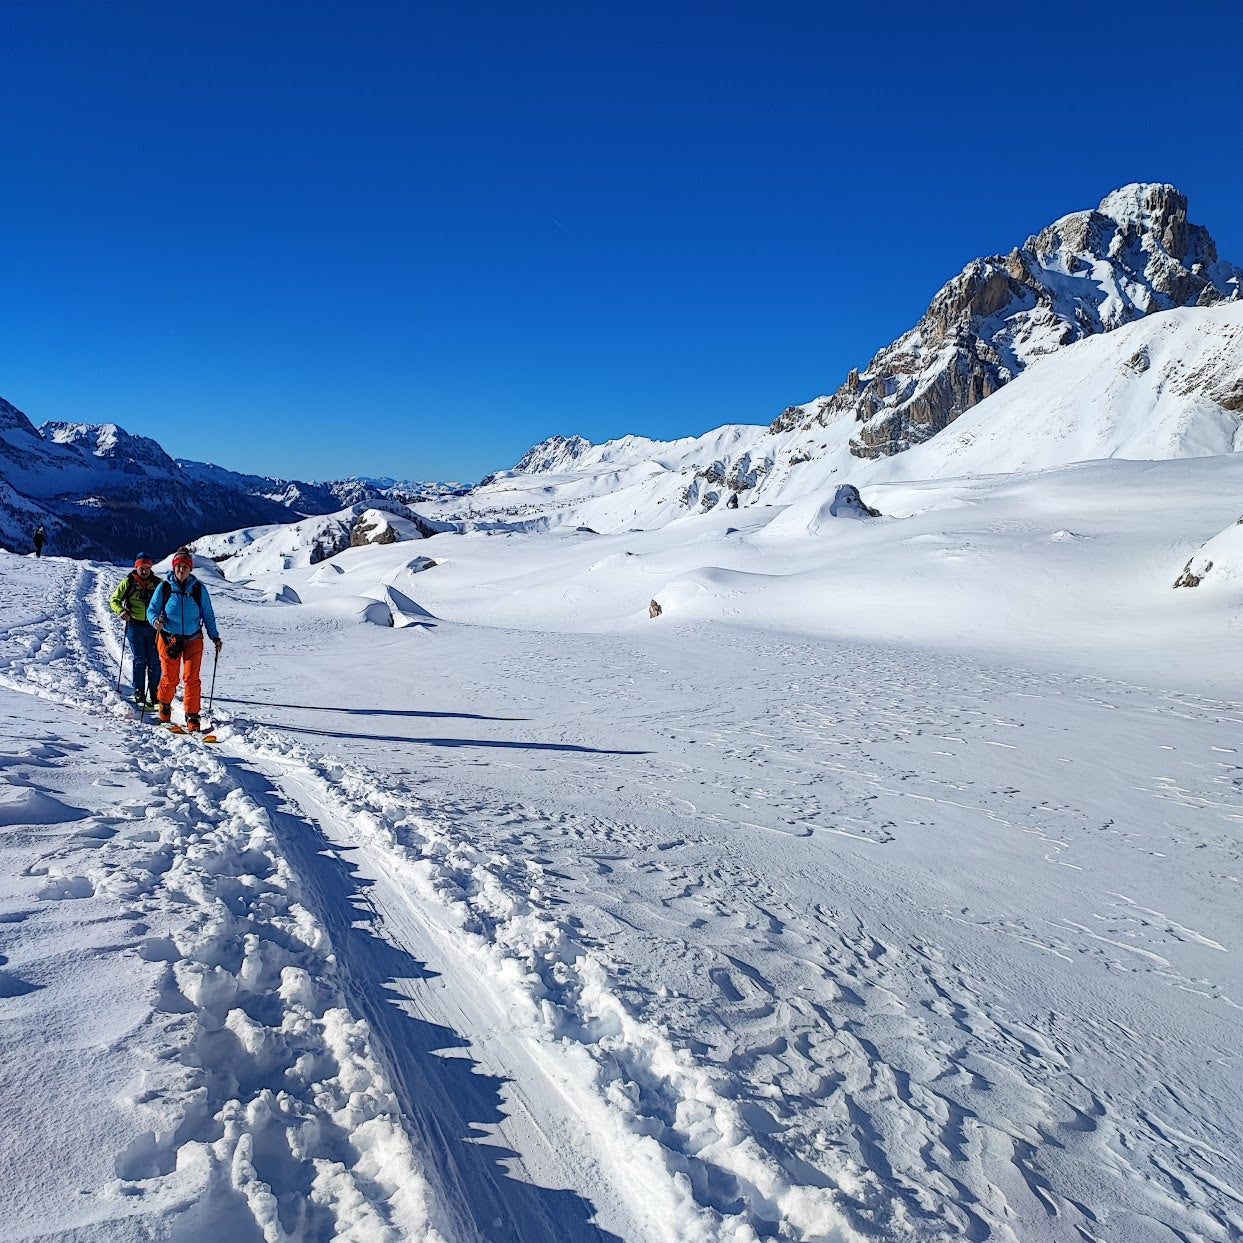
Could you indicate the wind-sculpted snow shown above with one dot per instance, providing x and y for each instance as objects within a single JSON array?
[{"x": 645, "y": 929}]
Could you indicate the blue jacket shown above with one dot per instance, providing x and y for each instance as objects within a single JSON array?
[{"x": 181, "y": 612}]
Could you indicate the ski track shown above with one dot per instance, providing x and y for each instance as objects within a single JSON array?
[
  {"x": 269, "y": 1117},
  {"x": 778, "y": 1068}
]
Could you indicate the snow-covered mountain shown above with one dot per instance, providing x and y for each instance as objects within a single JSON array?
[
  {"x": 1125, "y": 313},
  {"x": 358, "y": 488},
  {"x": 1133, "y": 260},
  {"x": 103, "y": 492},
  {"x": 1167, "y": 386},
  {"x": 1087, "y": 273}
]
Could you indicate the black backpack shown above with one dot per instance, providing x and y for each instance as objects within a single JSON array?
[
  {"x": 196, "y": 593},
  {"x": 131, "y": 586}
]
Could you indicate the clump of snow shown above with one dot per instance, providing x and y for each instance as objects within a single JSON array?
[{"x": 353, "y": 610}]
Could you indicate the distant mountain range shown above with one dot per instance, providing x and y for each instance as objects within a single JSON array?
[
  {"x": 1113, "y": 332},
  {"x": 101, "y": 492}
]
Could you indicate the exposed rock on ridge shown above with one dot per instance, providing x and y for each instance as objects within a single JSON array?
[
  {"x": 555, "y": 453},
  {"x": 1087, "y": 273}
]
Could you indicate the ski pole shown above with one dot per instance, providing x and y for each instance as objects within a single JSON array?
[
  {"x": 215, "y": 660},
  {"x": 124, "y": 643}
]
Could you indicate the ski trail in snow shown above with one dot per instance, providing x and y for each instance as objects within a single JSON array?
[
  {"x": 670, "y": 1156},
  {"x": 261, "y": 1112},
  {"x": 418, "y": 1013}
]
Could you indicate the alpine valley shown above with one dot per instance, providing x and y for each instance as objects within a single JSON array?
[{"x": 824, "y": 830}]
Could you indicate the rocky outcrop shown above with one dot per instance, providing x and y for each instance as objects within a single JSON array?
[
  {"x": 372, "y": 527},
  {"x": 1221, "y": 557},
  {"x": 551, "y": 455},
  {"x": 1089, "y": 272},
  {"x": 1193, "y": 577}
]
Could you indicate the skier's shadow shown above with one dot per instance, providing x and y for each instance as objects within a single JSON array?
[
  {"x": 461, "y": 716},
  {"x": 503, "y": 743},
  {"x": 446, "y": 1101}
]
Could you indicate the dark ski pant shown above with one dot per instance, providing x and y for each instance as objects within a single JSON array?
[{"x": 146, "y": 658}]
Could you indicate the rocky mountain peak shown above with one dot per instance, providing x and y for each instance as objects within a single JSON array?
[
  {"x": 1155, "y": 211},
  {"x": 107, "y": 440},
  {"x": 552, "y": 454},
  {"x": 1088, "y": 272},
  {"x": 12, "y": 419}
]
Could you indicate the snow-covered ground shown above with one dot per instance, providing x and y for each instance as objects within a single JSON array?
[{"x": 885, "y": 886}]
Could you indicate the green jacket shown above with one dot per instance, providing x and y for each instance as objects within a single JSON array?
[{"x": 133, "y": 594}]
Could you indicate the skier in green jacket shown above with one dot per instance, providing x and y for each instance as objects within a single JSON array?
[{"x": 129, "y": 602}]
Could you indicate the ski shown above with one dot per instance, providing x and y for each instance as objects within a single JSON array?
[{"x": 204, "y": 737}]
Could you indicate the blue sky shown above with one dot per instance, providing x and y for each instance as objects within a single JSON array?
[{"x": 314, "y": 239}]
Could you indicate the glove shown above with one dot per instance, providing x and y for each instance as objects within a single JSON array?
[
  {"x": 158, "y": 623},
  {"x": 219, "y": 644},
  {"x": 125, "y": 617}
]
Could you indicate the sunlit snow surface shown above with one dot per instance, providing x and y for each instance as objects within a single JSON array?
[{"x": 885, "y": 886}]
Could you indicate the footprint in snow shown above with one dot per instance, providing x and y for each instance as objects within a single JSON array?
[{"x": 66, "y": 887}]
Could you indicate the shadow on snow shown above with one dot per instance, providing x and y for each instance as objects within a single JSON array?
[
  {"x": 457, "y": 716},
  {"x": 446, "y": 1102},
  {"x": 440, "y": 742}
]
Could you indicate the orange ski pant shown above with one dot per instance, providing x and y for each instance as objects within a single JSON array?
[{"x": 191, "y": 658}]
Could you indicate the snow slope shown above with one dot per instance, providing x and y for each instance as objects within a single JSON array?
[
  {"x": 1169, "y": 386},
  {"x": 885, "y": 886}
]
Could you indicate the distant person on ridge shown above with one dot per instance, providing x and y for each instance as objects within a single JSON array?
[
  {"x": 40, "y": 539},
  {"x": 129, "y": 602},
  {"x": 179, "y": 610}
]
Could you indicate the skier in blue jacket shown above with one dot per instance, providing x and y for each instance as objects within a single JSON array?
[{"x": 180, "y": 608}]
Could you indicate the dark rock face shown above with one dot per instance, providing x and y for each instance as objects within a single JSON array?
[
  {"x": 364, "y": 532},
  {"x": 1087, "y": 273},
  {"x": 555, "y": 453},
  {"x": 1189, "y": 578}
]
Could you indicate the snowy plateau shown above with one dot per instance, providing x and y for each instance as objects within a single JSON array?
[{"x": 645, "y": 856}]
